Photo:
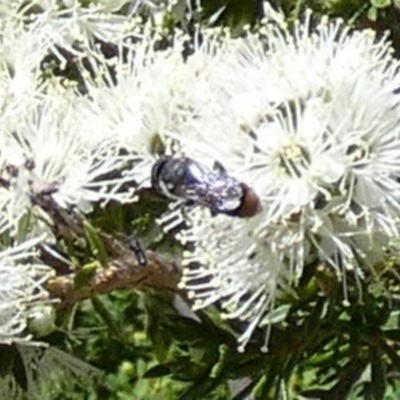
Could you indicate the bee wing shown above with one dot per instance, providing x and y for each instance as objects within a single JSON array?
[{"x": 199, "y": 181}]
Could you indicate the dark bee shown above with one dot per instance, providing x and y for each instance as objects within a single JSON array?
[
  {"x": 134, "y": 244},
  {"x": 185, "y": 179}
]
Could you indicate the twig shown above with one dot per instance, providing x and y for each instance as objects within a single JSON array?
[{"x": 122, "y": 273}]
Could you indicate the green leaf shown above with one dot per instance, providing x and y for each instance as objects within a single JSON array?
[
  {"x": 216, "y": 15},
  {"x": 221, "y": 365},
  {"x": 247, "y": 365},
  {"x": 24, "y": 226},
  {"x": 95, "y": 242},
  {"x": 108, "y": 318},
  {"x": 158, "y": 371},
  {"x": 259, "y": 390},
  {"x": 277, "y": 315},
  {"x": 233, "y": 13},
  {"x": 187, "y": 329},
  {"x": 7, "y": 357},
  {"x": 372, "y": 14},
  {"x": 85, "y": 275},
  {"x": 392, "y": 334},
  {"x": 182, "y": 368},
  {"x": 200, "y": 390},
  {"x": 316, "y": 316},
  {"x": 381, "y": 3},
  {"x": 158, "y": 336},
  {"x": 394, "y": 357},
  {"x": 19, "y": 371},
  {"x": 378, "y": 379}
]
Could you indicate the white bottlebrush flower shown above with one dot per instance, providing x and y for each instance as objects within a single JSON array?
[
  {"x": 21, "y": 51},
  {"x": 310, "y": 123},
  {"x": 252, "y": 75},
  {"x": 232, "y": 267},
  {"x": 137, "y": 97},
  {"x": 76, "y": 27},
  {"x": 21, "y": 287},
  {"x": 365, "y": 123},
  {"x": 54, "y": 152}
]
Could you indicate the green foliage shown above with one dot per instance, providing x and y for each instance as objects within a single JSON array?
[
  {"x": 151, "y": 346},
  {"x": 234, "y": 13},
  {"x": 96, "y": 245}
]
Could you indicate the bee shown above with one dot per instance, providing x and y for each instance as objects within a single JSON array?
[
  {"x": 185, "y": 179},
  {"x": 134, "y": 245}
]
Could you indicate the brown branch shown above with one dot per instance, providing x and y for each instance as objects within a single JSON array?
[{"x": 121, "y": 273}]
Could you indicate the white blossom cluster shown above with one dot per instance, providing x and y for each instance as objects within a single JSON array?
[
  {"x": 21, "y": 290},
  {"x": 308, "y": 120},
  {"x": 67, "y": 140}
]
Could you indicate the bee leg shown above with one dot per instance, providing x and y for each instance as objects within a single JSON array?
[
  {"x": 184, "y": 210},
  {"x": 219, "y": 168},
  {"x": 136, "y": 247},
  {"x": 189, "y": 203},
  {"x": 214, "y": 212}
]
